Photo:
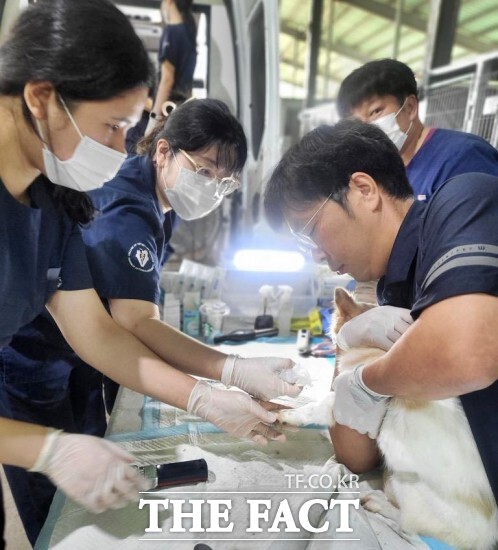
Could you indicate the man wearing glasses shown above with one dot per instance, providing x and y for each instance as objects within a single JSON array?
[{"x": 344, "y": 192}]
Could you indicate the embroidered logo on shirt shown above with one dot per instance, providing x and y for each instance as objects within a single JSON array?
[{"x": 140, "y": 257}]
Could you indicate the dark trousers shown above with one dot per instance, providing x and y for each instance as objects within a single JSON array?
[{"x": 71, "y": 400}]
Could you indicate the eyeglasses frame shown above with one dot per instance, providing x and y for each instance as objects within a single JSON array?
[
  {"x": 224, "y": 186},
  {"x": 305, "y": 242}
]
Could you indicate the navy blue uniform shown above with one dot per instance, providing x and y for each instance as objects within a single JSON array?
[
  {"x": 449, "y": 248},
  {"x": 178, "y": 47},
  {"x": 127, "y": 240},
  {"x": 448, "y": 153},
  {"x": 42, "y": 252},
  {"x": 125, "y": 246}
]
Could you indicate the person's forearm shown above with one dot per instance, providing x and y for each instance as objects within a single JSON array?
[
  {"x": 103, "y": 344},
  {"x": 443, "y": 354},
  {"x": 163, "y": 90},
  {"x": 178, "y": 349},
  {"x": 20, "y": 442},
  {"x": 130, "y": 363},
  {"x": 356, "y": 451}
]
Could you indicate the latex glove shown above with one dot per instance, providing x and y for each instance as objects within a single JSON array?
[
  {"x": 378, "y": 327},
  {"x": 259, "y": 376},
  {"x": 323, "y": 349},
  {"x": 93, "y": 472},
  {"x": 234, "y": 412},
  {"x": 356, "y": 405}
]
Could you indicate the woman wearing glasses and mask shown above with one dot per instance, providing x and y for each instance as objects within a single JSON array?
[{"x": 189, "y": 164}]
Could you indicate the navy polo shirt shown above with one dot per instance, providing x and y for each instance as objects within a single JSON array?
[
  {"x": 126, "y": 245},
  {"x": 42, "y": 252},
  {"x": 128, "y": 238},
  {"x": 178, "y": 46},
  {"x": 397, "y": 286},
  {"x": 455, "y": 241}
]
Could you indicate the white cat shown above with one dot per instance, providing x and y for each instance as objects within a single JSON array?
[{"x": 436, "y": 484}]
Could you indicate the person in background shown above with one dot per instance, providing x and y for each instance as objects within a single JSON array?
[
  {"x": 65, "y": 104},
  {"x": 344, "y": 193},
  {"x": 191, "y": 164},
  {"x": 135, "y": 134},
  {"x": 177, "y": 57},
  {"x": 384, "y": 92}
]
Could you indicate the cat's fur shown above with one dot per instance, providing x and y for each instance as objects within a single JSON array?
[{"x": 436, "y": 484}]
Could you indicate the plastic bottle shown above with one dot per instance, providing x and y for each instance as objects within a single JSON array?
[{"x": 285, "y": 309}]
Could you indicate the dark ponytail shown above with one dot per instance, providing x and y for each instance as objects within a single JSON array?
[{"x": 185, "y": 9}]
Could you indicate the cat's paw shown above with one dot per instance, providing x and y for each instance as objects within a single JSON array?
[{"x": 376, "y": 501}]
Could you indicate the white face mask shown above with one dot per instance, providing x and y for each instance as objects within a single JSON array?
[
  {"x": 389, "y": 125},
  {"x": 91, "y": 165},
  {"x": 193, "y": 196}
]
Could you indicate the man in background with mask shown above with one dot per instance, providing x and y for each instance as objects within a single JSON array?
[{"x": 384, "y": 92}]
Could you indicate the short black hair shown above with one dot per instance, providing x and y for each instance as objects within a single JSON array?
[
  {"x": 198, "y": 124},
  {"x": 380, "y": 77},
  {"x": 323, "y": 163}
]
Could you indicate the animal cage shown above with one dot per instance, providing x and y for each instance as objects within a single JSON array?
[{"x": 465, "y": 97}]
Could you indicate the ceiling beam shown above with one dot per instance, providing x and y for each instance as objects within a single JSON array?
[
  {"x": 339, "y": 47},
  {"x": 413, "y": 21},
  {"x": 313, "y": 50},
  {"x": 444, "y": 36},
  {"x": 389, "y": 13},
  {"x": 152, "y": 4}
]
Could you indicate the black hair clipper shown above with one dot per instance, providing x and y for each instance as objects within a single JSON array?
[{"x": 173, "y": 474}]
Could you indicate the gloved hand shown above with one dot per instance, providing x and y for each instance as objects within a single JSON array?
[
  {"x": 234, "y": 412},
  {"x": 93, "y": 472},
  {"x": 323, "y": 349},
  {"x": 356, "y": 405},
  {"x": 259, "y": 376},
  {"x": 378, "y": 327}
]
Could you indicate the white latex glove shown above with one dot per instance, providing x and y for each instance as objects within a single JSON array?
[
  {"x": 93, "y": 472},
  {"x": 356, "y": 405},
  {"x": 234, "y": 412},
  {"x": 259, "y": 376},
  {"x": 378, "y": 327}
]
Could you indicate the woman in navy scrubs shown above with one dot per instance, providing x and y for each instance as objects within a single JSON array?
[
  {"x": 73, "y": 77},
  {"x": 176, "y": 58},
  {"x": 199, "y": 153},
  {"x": 51, "y": 65}
]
